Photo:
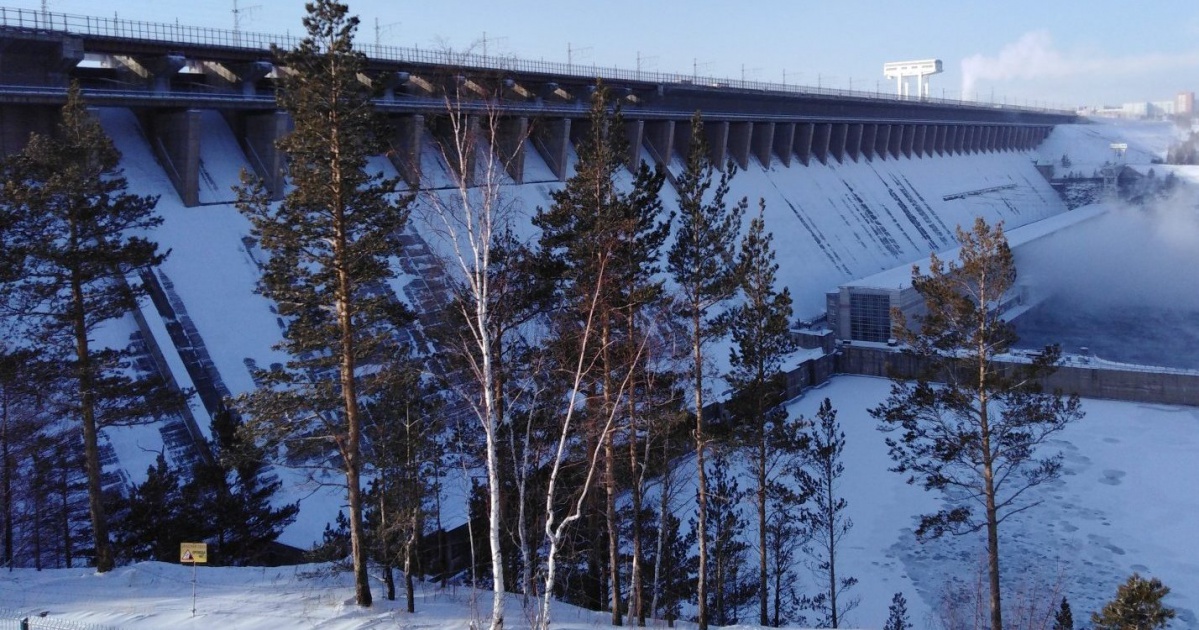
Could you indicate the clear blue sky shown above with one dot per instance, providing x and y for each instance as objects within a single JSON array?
[{"x": 1062, "y": 52}]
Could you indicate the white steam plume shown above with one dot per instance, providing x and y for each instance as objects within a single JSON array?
[{"x": 1034, "y": 56}]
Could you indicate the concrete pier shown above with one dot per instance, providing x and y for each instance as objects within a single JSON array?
[
  {"x": 869, "y": 140},
  {"x": 853, "y": 141},
  {"x": 740, "y": 136},
  {"x": 17, "y": 122},
  {"x": 659, "y": 140},
  {"x": 634, "y": 131},
  {"x": 836, "y": 144},
  {"x": 258, "y": 132},
  {"x": 821, "y": 138},
  {"x": 784, "y": 142},
  {"x": 175, "y": 138},
  {"x": 510, "y": 135},
  {"x": 717, "y": 135},
  {"x": 803, "y": 144},
  {"x": 407, "y": 139},
  {"x": 551, "y": 139}
]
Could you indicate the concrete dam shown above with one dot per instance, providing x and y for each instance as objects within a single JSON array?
[{"x": 853, "y": 183}]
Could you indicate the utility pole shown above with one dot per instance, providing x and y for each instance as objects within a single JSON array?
[
  {"x": 641, "y": 61},
  {"x": 492, "y": 40},
  {"x": 237, "y": 17},
  {"x": 570, "y": 52},
  {"x": 379, "y": 30}
]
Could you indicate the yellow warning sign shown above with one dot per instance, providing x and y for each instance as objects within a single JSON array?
[{"x": 194, "y": 553}]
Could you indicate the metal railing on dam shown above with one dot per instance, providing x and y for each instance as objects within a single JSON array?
[
  {"x": 101, "y": 97},
  {"x": 115, "y": 28}
]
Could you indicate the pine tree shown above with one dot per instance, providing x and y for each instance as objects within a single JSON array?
[
  {"x": 335, "y": 541},
  {"x": 1137, "y": 606},
  {"x": 1064, "y": 618},
  {"x": 677, "y": 570},
  {"x": 73, "y": 236},
  {"x": 155, "y": 521},
  {"x": 978, "y": 432},
  {"x": 22, "y": 416},
  {"x": 783, "y": 534},
  {"x": 404, "y": 428},
  {"x": 827, "y": 517},
  {"x": 731, "y": 589},
  {"x": 235, "y": 495},
  {"x": 761, "y": 333},
  {"x": 329, "y": 242},
  {"x": 897, "y": 614},
  {"x": 702, "y": 262}
]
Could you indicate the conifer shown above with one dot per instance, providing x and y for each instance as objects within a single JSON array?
[
  {"x": 1064, "y": 618},
  {"x": 761, "y": 332},
  {"x": 1137, "y": 606},
  {"x": 73, "y": 237},
  {"x": 897, "y": 614},
  {"x": 329, "y": 242},
  {"x": 702, "y": 262},
  {"x": 826, "y": 515},
  {"x": 967, "y": 425}
]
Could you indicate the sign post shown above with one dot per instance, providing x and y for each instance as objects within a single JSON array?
[{"x": 195, "y": 553}]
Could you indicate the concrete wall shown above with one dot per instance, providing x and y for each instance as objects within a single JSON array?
[
  {"x": 1136, "y": 385},
  {"x": 18, "y": 121}
]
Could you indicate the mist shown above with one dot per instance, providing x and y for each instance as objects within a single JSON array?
[{"x": 1132, "y": 257}]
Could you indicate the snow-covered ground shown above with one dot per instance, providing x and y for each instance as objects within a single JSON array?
[{"x": 1124, "y": 504}]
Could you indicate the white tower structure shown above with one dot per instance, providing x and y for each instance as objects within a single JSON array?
[{"x": 902, "y": 70}]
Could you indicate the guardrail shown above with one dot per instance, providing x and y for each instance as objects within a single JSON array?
[{"x": 93, "y": 26}]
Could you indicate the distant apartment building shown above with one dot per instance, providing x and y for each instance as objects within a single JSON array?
[
  {"x": 1160, "y": 109},
  {"x": 1184, "y": 104},
  {"x": 1138, "y": 110}
]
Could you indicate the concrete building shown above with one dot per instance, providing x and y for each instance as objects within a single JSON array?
[{"x": 860, "y": 311}]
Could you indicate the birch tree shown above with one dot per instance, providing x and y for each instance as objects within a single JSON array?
[{"x": 471, "y": 219}]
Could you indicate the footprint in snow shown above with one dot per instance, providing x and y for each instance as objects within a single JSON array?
[{"x": 1112, "y": 477}]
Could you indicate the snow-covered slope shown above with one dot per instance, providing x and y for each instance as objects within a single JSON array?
[{"x": 1089, "y": 145}]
